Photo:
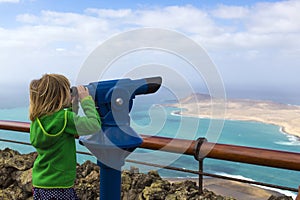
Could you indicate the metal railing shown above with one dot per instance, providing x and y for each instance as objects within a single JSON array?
[{"x": 201, "y": 149}]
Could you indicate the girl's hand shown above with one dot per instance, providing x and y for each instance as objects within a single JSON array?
[{"x": 82, "y": 92}]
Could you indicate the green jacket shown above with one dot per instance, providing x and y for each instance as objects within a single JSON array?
[{"x": 53, "y": 138}]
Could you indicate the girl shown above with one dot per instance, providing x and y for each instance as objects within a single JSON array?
[{"x": 52, "y": 132}]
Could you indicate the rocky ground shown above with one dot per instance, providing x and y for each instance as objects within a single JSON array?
[{"x": 15, "y": 182}]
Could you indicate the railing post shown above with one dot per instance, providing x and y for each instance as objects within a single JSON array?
[{"x": 200, "y": 158}]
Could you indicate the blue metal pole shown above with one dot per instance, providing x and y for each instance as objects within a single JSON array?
[{"x": 110, "y": 182}]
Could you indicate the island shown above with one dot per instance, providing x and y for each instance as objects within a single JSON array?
[{"x": 285, "y": 116}]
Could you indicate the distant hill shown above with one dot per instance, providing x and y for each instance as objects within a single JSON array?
[
  {"x": 196, "y": 97},
  {"x": 283, "y": 115}
]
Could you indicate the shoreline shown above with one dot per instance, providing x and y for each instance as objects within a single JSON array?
[
  {"x": 235, "y": 189},
  {"x": 286, "y": 117},
  {"x": 282, "y": 129}
]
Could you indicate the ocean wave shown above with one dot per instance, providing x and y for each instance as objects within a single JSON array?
[
  {"x": 176, "y": 113},
  {"x": 297, "y": 143},
  {"x": 234, "y": 176},
  {"x": 292, "y": 140}
]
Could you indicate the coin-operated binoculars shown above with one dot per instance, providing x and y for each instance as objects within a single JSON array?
[{"x": 114, "y": 100}]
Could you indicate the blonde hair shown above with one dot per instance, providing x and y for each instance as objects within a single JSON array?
[{"x": 49, "y": 94}]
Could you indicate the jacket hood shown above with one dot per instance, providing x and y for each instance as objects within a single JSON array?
[{"x": 47, "y": 130}]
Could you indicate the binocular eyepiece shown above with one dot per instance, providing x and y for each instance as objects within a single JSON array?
[{"x": 73, "y": 91}]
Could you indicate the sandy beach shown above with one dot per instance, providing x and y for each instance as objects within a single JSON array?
[
  {"x": 233, "y": 189},
  {"x": 283, "y": 115}
]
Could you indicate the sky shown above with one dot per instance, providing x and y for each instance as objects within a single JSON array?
[{"x": 255, "y": 45}]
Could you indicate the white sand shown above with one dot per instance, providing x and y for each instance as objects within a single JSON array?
[{"x": 285, "y": 116}]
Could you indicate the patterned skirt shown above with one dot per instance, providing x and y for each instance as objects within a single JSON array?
[{"x": 54, "y": 194}]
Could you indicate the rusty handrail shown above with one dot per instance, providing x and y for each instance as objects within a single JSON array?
[
  {"x": 250, "y": 155},
  {"x": 15, "y": 126}
]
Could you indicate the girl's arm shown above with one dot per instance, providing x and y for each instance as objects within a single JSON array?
[{"x": 90, "y": 123}]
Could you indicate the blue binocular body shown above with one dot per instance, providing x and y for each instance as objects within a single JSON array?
[
  {"x": 114, "y": 98},
  {"x": 114, "y": 101}
]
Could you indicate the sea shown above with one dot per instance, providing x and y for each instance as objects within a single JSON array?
[{"x": 161, "y": 120}]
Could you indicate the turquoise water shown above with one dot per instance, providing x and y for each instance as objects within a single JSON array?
[
  {"x": 161, "y": 121},
  {"x": 252, "y": 134}
]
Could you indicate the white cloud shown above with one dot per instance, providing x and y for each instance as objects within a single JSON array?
[
  {"x": 109, "y": 13},
  {"x": 27, "y": 18},
  {"x": 183, "y": 18},
  {"x": 262, "y": 25},
  {"x": 56, "y": 28},
  {"x": 279, "y": 17},
  {"x": 9, "y": 1},
  {"x": 230, "y": 12}
]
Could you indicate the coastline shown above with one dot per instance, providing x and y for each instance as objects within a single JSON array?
[
  {"x": 235, "y": 189},
  {"x": 285, "y": 116}
]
